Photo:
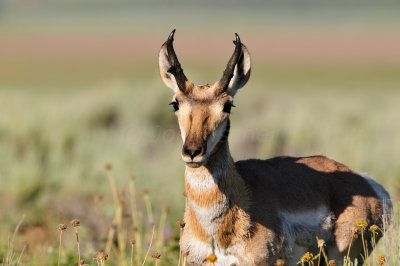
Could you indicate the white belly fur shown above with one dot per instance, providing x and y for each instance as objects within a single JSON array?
[{"x": 301, "y": 229}]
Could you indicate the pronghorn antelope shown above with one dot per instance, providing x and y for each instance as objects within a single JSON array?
[{"x": 255, "y": 212}]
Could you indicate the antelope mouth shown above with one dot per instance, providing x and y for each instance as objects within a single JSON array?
[
  {"x": 193, "y": 164},
  {"x": 196, "y": 162}
]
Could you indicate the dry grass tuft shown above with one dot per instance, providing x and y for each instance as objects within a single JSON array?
[
  {"x": 156, "y": 256},
  {"x": 130, "y": 224},
  {"x": 62, "y": 227},
  {"x": 75, "y": 224}
]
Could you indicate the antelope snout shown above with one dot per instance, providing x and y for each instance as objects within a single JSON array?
[{"x": 194, "y": 150}]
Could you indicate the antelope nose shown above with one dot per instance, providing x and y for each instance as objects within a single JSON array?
[{"x": 192, "y": 152}]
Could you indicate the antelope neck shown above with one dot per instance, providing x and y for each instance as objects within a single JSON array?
[
  {"x": 212, "y": 174},
  {"x": 216, "y": 200}
]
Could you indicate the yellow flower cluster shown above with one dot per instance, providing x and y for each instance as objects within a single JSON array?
[
  {"x": 381, "y": 260},
  {"x": 374, "y": 228},
  {"x": 362, "y": 224},
  {"x": 212, "y": 258},
  {"x": 307, "y": 257}
]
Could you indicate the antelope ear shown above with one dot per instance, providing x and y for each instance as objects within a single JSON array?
[
  {"x": 164, "y": 66},
  {"x": 241, "y": 74}
]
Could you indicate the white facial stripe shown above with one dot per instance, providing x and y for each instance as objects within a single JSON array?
[
  {"x": 184, "y": 110},
  {"x": 183, "y": 133},
  {"x": 216, "y": 136}
]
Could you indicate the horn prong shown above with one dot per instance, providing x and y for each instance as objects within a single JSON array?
[
  {"x": 175, "y": 69},
  {"x": 230, "y": 67}
]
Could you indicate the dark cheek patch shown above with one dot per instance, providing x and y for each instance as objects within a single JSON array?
[
  {"x": 226, "y": 132},
  {"x": 227, "y": 107}
]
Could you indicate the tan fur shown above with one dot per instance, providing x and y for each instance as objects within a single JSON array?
[
  {"x": 258, "y": 212},
  {"x": 204, "y": 198},
  {"x": 236, "y": 222},
  {"x": 323, "y": 164},
  {"x": 194, "y": 225}
]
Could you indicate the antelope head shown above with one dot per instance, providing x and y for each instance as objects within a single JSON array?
[{"x": 203, "y": 110}]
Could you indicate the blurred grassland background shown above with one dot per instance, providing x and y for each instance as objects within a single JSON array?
[{"x": 79, "y": 88}]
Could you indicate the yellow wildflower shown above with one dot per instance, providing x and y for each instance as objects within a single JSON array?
[
  {"x": 362, "y": 224},
  {"x": 211, "y": 258},
  {"x": 374, "y": 228},
  {"x": 307, "y": 257},
  {"x": 381, "y": 260}
]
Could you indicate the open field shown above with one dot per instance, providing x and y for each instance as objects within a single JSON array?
[{"x": 79, "y": 92}]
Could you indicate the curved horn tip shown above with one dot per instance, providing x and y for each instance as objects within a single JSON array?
[
  {"x": 171, "y": 35},
  {"x": 237, "y": 38}
]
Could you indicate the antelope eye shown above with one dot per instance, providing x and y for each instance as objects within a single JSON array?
[
  {"x": 227, "y": 107},
  {"x": 175, "y": 105}
]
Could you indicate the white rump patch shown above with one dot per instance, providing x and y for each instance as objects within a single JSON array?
[{"x": 382, "y": 194}]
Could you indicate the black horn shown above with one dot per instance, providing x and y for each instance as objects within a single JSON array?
[
  {"x": 175, "y": 68},
  {"x": 230, "y": 67}
]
